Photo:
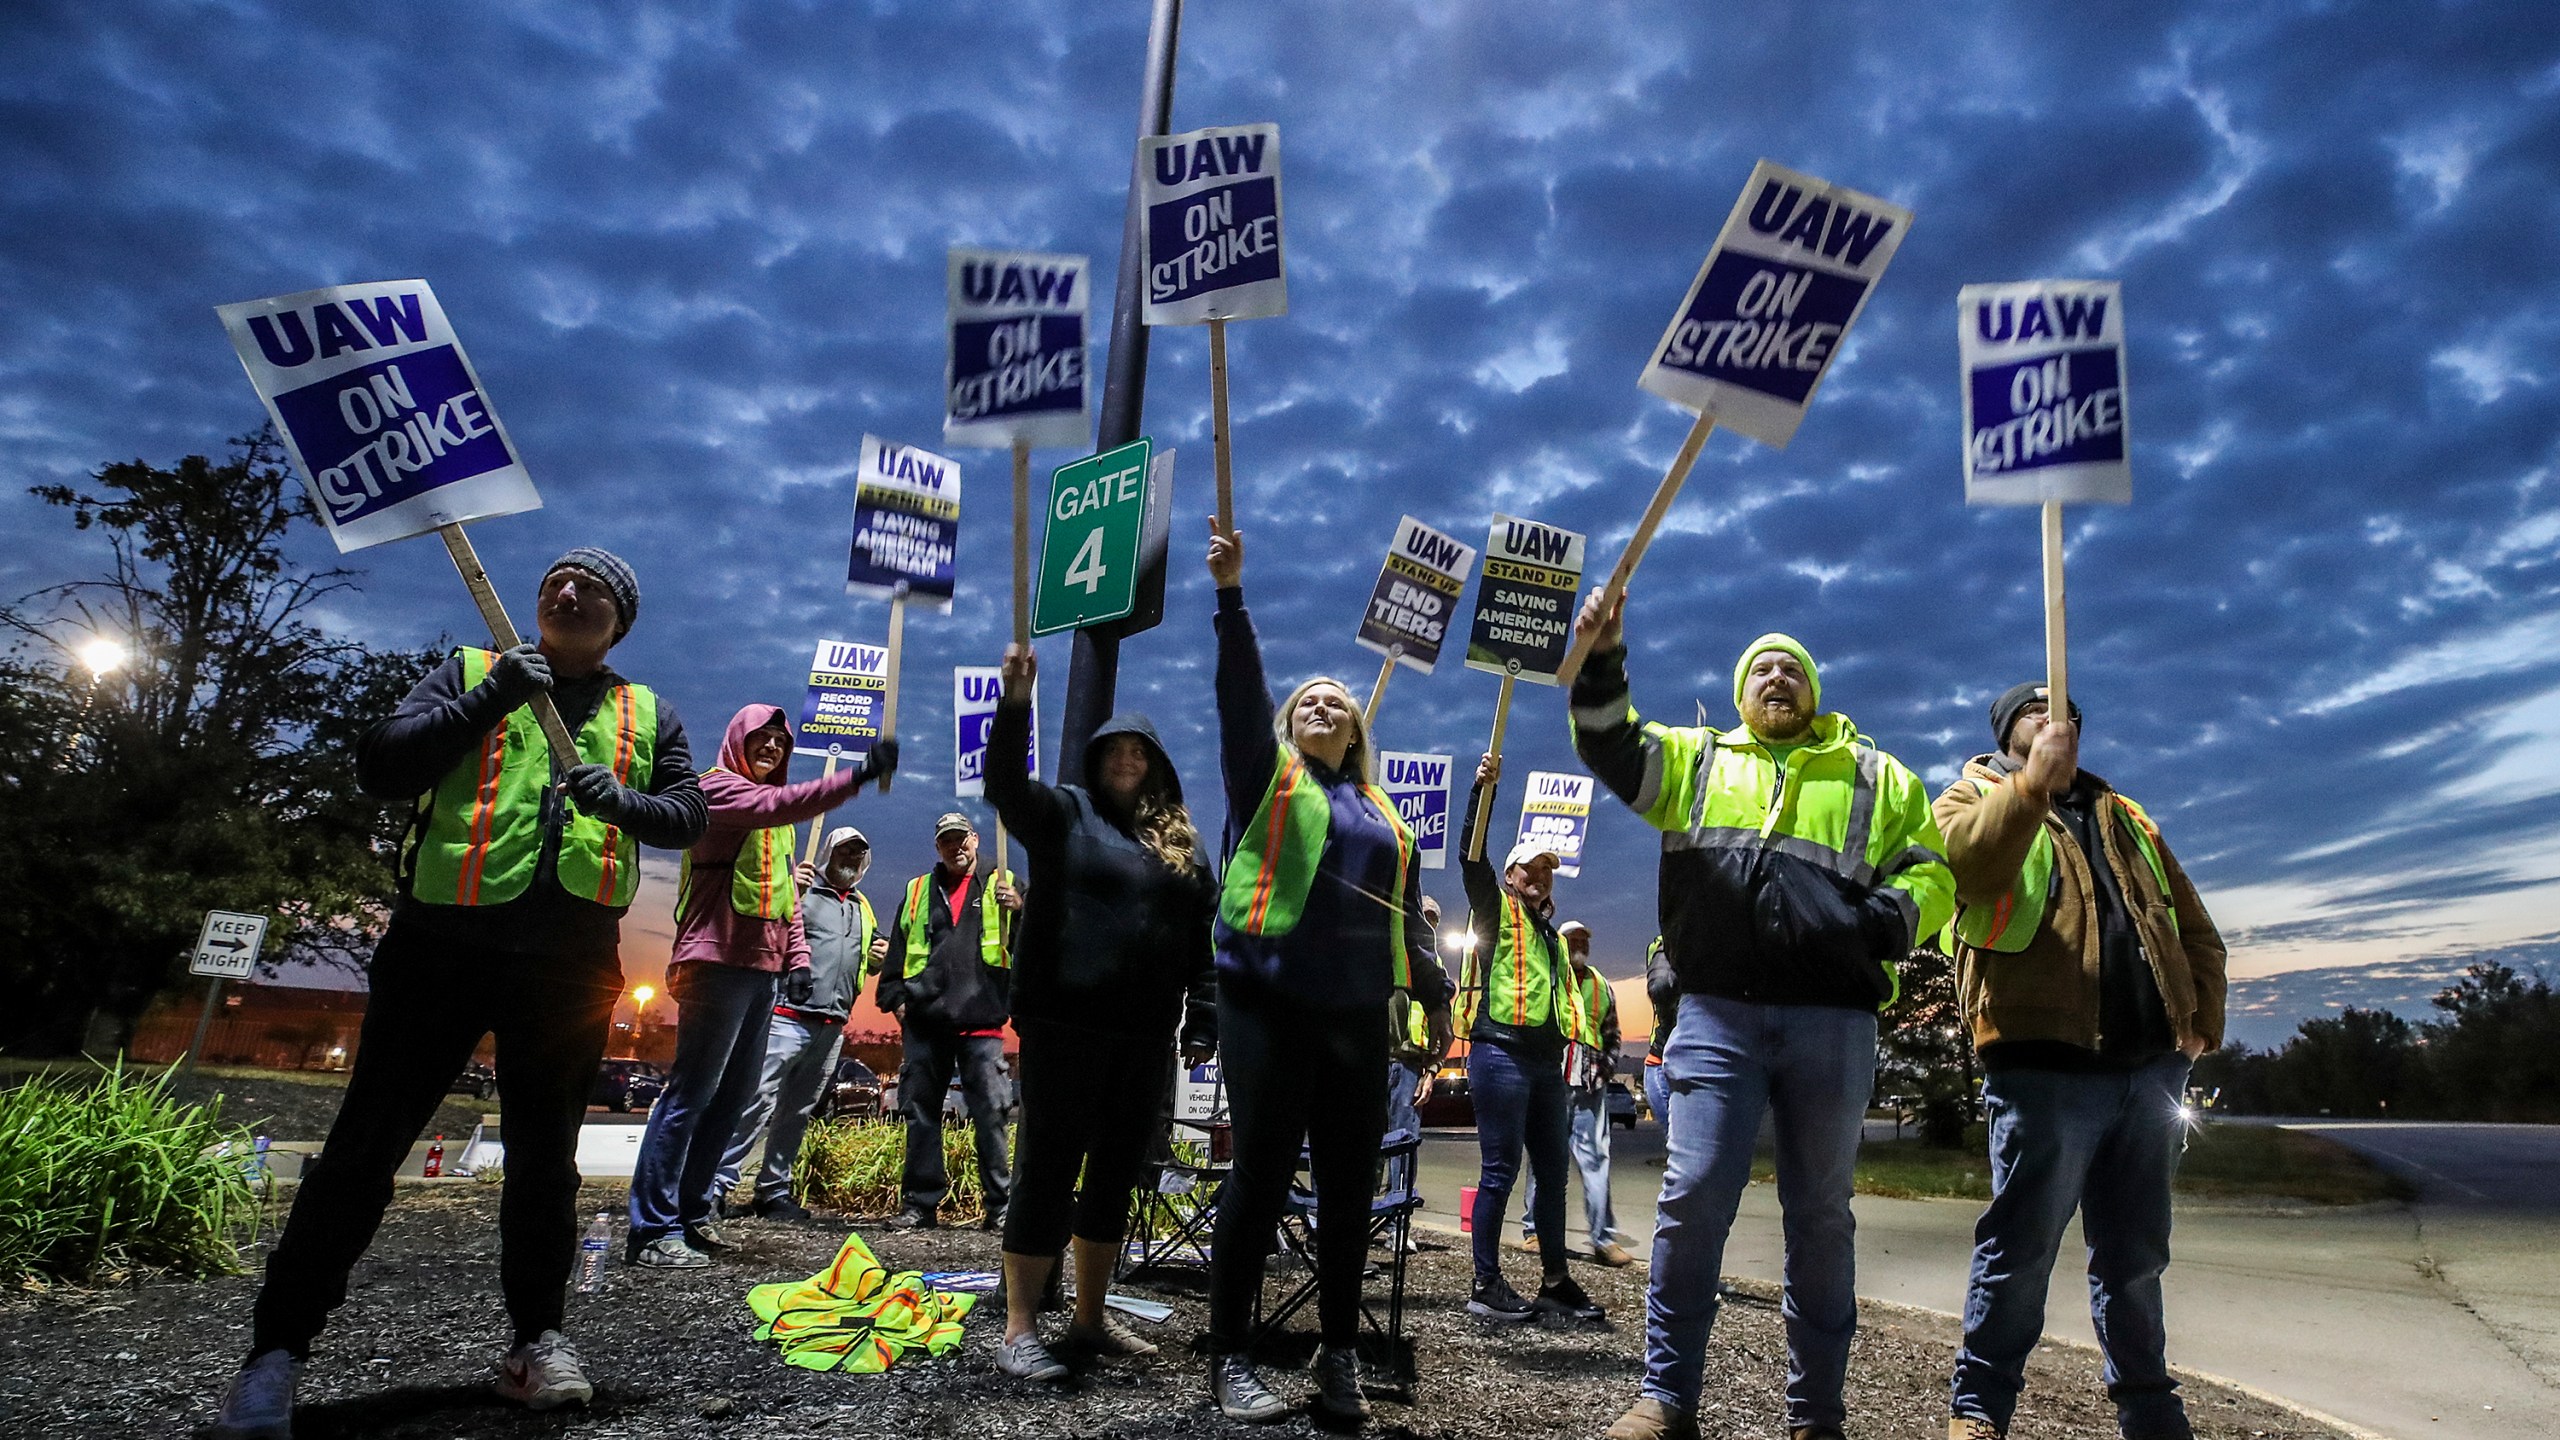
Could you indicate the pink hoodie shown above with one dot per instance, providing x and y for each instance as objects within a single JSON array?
[{"x": 711, "y": 930}]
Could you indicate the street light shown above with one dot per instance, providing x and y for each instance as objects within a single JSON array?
[{"x": 641, "y": 995}]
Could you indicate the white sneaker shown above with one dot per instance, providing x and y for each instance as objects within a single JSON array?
[
  {"x": 259, "y": 1404},
  {"x": 544, "y": 1375},
  {"x": 1028, "y": 1359},
  {"x": 1111, "y": 1339}
]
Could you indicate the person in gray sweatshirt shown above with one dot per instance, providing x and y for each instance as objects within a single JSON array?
[{"x": 845, "y": 940}]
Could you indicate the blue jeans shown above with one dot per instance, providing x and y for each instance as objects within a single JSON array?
[
  {"x": 1402, "y": 1114},
  {"x": 2106, "y": 1145},
  {"x": 799, "y": 1059},
  {"x": 1520, "y": 1101},
  {"x": 1589, "y": 1110},
  {"x": 720, "y": 1038},
  {"x": 1729, "y": 1061},
  {"x": 1657, "y": 1098}
]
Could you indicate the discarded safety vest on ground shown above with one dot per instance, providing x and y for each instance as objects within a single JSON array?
[{"x": 856, "y": 1317}]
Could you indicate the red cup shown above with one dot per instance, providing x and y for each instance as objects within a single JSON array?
[{"x": 1467, "y": 1208}]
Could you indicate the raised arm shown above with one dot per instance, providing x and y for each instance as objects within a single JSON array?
[
  {"x": 1247, "y": 750},
  {"x": 1035, "y": 812}
]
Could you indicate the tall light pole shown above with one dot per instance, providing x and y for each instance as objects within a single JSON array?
[{"x": 1093, "y": 673}]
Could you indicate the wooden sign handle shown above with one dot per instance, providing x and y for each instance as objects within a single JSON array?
[
  {"x": 493, "y": 613},
  {"x": 1021, "y": 542},
  {"x": 1218, "y": 432},
  {"x": 897, "y": 647},
  {"x": 1663, "y": 495},
  {"x": 1004, "y": 858},
  {"x": 1378, "y": 692},
  {"x": 818, "y": 826},
  {"x": 2057, "y": 669},
  {"x": 1484, "y": 810}
]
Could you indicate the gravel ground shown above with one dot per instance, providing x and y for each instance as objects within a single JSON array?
[{"x": 411, "y": 1355}]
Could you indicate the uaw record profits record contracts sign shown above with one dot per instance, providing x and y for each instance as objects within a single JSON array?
[
  {"x": 906, "y": 524},
  {"x": 841, "y": 714},
  {"x": 1419, "y": 786},
  {"x": 1556, "y": 813},
  {"x": 1766, "y": 314},
  {"x": 1213, "y": 225},
  {"x": 1016, "y": 368},
  {"x": 1524, "y": 603},
  {"x": 1416, "y": 595},
  {"x": 380, "y": 410},
  {"x": 2043, "y": 392}
]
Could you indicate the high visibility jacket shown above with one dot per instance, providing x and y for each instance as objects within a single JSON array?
[
  {"x": 478, "y": 838},
  {"x": 1516, "y": 983},
  {"x": 1274, "y": 865},
  {"x": 1802, "y": 883},
  {"x": 1591, "y": 1000},
  {"x": 2009, "y": 924},
  {"x": 760, "y": 881},
  {"x": 991, "y": 924}
]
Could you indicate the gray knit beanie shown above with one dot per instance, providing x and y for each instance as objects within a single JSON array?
[{"x": 616, "y": 575}]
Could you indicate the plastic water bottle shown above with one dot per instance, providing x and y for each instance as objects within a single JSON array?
[
  {"x": 435, "y": 1159},
  {"x": 591, "y": 1252}
]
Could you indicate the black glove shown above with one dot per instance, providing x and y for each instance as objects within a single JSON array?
[
  {"x": 798, "y": 985},
  {"x": 597, "y": 793},
  {"x": 881, "y": 763},
  {"x": 519, "y": 675}
]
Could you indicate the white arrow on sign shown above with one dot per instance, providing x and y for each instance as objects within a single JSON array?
[{"x": 228, "y": 948}]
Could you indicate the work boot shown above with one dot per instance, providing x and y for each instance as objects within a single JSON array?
[
  {"x": 782, "y": 1208},
  {"x": 1526, "y": 1244},
  {"x": 1338, "y": 1385},
  {"x": 1494, "y": 1299},
  {"x": 1972, "y": 1427},
  {"x": 544, "y": 1374},
  {"x": 705, "y": 1236},
  {"x": 1240, "y": 1393},
  {"x": 1562, "y": 1295},
  {"x": 914, "y": 1217},
  {"x": 993, "y": 1220},
  {"x": 667, "y": 1252},
  {"x": 1612, "y": 1254},
  {"x": 1650, "y": 1419},
  {"x": 259, "y": 1404}
]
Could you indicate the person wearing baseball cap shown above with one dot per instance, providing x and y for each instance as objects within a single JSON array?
[
  {"x": 2093, "y": 978},
  {"x": 948, "y": 980},
  {"x": 1799, "y": 862},
  {"x": 1518, "y": 1009},
  {"x": 512, "y": 883}
]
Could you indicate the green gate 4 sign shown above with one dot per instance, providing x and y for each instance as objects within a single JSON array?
[{"x": 1089, "y": 548}]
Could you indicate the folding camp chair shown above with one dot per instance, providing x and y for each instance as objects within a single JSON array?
[
  {"x": 1171, "y": 1218},
  {"x": 1386, "y": 1357}
]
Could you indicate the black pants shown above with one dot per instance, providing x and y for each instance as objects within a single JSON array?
[
  {"x": 1090, "y": 1102},
  {"x": 1296, "y": 1075},
  {"x": 928, "y": 1061},
  {"x": 430, "y": 1005}
]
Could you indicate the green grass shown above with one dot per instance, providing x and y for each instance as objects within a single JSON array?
[
  {"x": 279, "y": 1104},
  {"x": 853, "y": 1165},
  {"x": 106, "y": 1174},
  {"x": 2223, "y": 1162}
]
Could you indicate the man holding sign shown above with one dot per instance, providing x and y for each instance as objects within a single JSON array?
[
  {"x": 511, "y": 895},
  {"x": 1798, "y": 864}
]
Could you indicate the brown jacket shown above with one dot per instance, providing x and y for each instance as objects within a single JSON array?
[{"x": 2049, "y": 991}]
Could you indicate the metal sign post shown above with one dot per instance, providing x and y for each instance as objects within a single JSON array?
[{"x": 227, "y": 950}]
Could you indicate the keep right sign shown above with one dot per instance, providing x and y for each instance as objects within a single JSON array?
[{"x": 2044, "y": 392}]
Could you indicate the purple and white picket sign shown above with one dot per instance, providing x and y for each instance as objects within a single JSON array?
[{"x": 2044, "y": 392}]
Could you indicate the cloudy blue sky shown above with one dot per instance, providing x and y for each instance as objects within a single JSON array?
[{"x": 697, "y": 251}]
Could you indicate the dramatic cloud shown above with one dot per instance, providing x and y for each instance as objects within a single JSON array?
[{"x": 696, "y": 251}]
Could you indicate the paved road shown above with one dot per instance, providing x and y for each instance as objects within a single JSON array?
[{"x": 2436, "y": 1319}]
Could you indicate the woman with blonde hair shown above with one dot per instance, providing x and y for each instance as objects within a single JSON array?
[
  {"x": 1114, "y": 950},
  {"x": 1319, "y": 920}
]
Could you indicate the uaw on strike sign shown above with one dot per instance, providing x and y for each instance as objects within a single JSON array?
[
  {"x": 1015, "y": 371},
  {"x": 2043, "y": 392},
  {"x": 1765, "y": 316},
  {"x": 1213, "y": 225},
  {"x": 380, "y": 410}
]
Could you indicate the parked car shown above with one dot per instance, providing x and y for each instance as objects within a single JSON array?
[
  {"x": 853, "y": 1093},
  {"x": 476, "y": 1080},
  {"x": 1448, "y": 1103},
  {"x": 624, "y": 1086},
  {"x": 1622, "y": 1105}
]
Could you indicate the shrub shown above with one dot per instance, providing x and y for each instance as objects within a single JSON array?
[
  {"x": 102, "y": 1178},
  {"x": 853, "y": 1165}
]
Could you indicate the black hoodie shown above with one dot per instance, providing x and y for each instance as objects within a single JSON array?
[{"x": 1112, "y": 939}]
